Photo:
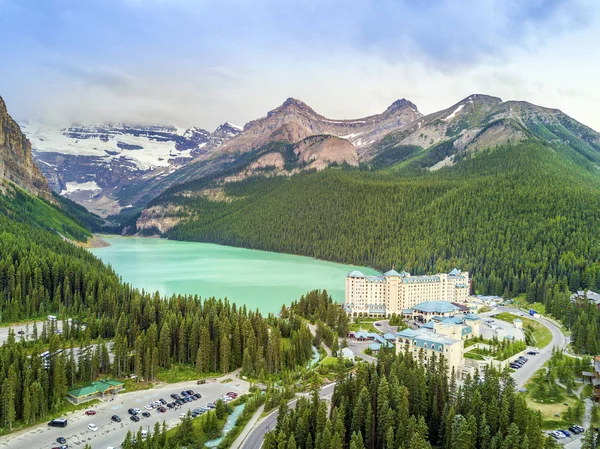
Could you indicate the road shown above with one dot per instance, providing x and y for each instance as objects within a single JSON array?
[
  {"x": 25, "y": 327},
  {"x": 112, "y": 434},
  {"x": 255, "y": 438},
  {"x": 559, "y": 340}
]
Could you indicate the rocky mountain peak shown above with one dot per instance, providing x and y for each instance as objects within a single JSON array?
[
  {"x": 481, "y": 98},
  {"x": 400, "y": 104}
]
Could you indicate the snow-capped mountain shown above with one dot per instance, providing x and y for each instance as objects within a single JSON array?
[{"x": 96, "y": 165}]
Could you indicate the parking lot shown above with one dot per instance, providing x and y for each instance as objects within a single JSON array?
[
  {"x": 570, "y": 436},
  {"x": 112, "y": 434}
]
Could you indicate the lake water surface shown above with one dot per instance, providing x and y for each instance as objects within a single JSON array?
[{"x": 259, "y": 279}]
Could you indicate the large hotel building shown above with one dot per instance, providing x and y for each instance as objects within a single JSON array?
[{"x": 394, "y": 292}]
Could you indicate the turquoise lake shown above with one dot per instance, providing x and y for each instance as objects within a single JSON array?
[{"x": 259, "y": 279}]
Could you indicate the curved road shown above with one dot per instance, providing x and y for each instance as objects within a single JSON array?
[
  {"x": 559, "y": 340},
  {"x": 254, "y": 440},
  {"x": 255, "y": 437}
]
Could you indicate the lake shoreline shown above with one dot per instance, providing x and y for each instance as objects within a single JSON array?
[{"x": 259, "y": 279}]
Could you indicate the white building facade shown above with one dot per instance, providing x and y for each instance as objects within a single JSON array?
[{"x": 392, "y": 292}]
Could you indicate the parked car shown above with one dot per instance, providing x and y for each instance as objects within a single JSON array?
[
  {"x": 93, "y": 427},
  {"x": 565, "y": 432},
  {"x": 132, "y": 411},
  {"x": 171, "y": 404},
  {"x": 146, "y": 414},
  {"x": 137, "y": 411},
  {"x": 115, "y": 418},
  {"x": 162, "y": 401},
  {"x": 90, "y": 412},
  {"x": 197, "y": 395},
  {"x": 61, "y": 440},
  {"x": 184, "y": 393},
  {"x": 148, "y": 407},
  {"x": 211, "y": 405},
  {"x": 190, "y": 392},
  {"x": 135, "y": 418},
  {"x": 61, "y": 422},
  {"x": 161, "y": 409},
  {"x": 175, "y": 396}
]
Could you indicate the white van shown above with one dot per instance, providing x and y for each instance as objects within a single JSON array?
[{"x": 144, "y": 433}]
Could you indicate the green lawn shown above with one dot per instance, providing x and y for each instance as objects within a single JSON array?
[
  {"x": 541, "y": 334},
  {"x": 365, "y": 324},
  {"x": 552, "y": 404},
  {"x": 521, "y": 302},
  {"x": 472, "y": 355},
  {"x": 182, "y": 373}
]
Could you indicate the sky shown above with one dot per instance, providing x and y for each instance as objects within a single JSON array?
[{"x": 201, "y": 63}]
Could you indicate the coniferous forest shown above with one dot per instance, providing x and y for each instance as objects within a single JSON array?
[
  {"x": 41, "y": 273},
  {"x": 398, "y": 404},
  {"x": 522, "y": 219}
]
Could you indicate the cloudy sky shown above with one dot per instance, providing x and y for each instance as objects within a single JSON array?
[{"x": 204, "y": 62}]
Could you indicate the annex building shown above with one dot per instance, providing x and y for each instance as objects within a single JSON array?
[
  {"x": 393, "y": 292},
  {"x": 441, "y": 336}
]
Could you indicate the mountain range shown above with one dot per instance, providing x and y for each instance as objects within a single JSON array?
[
  {"x": 293, "y": 138},
  {"x": 97, "y": 166}
]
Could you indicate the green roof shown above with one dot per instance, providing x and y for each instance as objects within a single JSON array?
[{"x": 100, "y": 386}]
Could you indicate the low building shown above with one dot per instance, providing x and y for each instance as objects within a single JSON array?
[
  {"x": 427, "y": 310},
  {"x": 589, "y": 295},
  {"x": 98, "y": 389},
  {"x": 462, "y": 327},
  {"x": 415, "y": 341},
  {"x": 593, "y": 377}
]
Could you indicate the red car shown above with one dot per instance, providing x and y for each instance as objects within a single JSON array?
[
  {"x": 231, "y": 394},
  {"x": 90, "y": 412},
  {"x": 161, "y": 409}
]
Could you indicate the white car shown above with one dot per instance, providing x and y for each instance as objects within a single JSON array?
[
  {"x": 137, "y": 411},
  {"x": 148, "y": 407},
  {"x": 93, "y": 427}
]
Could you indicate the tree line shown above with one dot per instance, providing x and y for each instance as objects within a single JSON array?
[
  {"x": 40, "y": 273},
  {"x": 398, "y": 404}
]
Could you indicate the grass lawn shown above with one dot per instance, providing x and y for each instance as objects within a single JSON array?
[
  {"x": 596, "y": 415},
  {"x": 472, "y": 355},
  {"x": 551, "y": 405},
  {"x": 329, "y": 362},
  {"x": 365, "y": 324},
  {"x": 134, "y": 385},
  {"x": 182, "y": 373},
  {"x": 541, "y": 333}
]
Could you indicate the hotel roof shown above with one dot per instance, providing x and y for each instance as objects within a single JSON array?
[{"x": 436, "y": 307}]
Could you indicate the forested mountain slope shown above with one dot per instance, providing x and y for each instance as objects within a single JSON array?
[{"x": 507, "y": 215}]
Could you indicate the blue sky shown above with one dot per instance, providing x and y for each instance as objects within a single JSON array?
[{"x": 201, "y": 63}]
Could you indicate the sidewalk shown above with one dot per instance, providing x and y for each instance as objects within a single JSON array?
[{"x": 240, "y": 439}]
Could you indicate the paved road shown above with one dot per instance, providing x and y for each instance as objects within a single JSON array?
[
  {"x": 112, "y": 434},
  {"x": 255, "y": 438},
  {"x": 27, "y": 328},
  {"x": 523, "y": 374}
]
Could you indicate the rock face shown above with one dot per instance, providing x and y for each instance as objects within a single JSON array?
[
  {"x": 16, "y": 161},
  {"x": 294, "y": 121},
  {"x": 110, "y": 167}
]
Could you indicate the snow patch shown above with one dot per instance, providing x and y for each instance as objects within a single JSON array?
[
  {"x": 456, "y": 111},
  {"x": 72, "y": 187},
  {"x": 351, "y": 136}
]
